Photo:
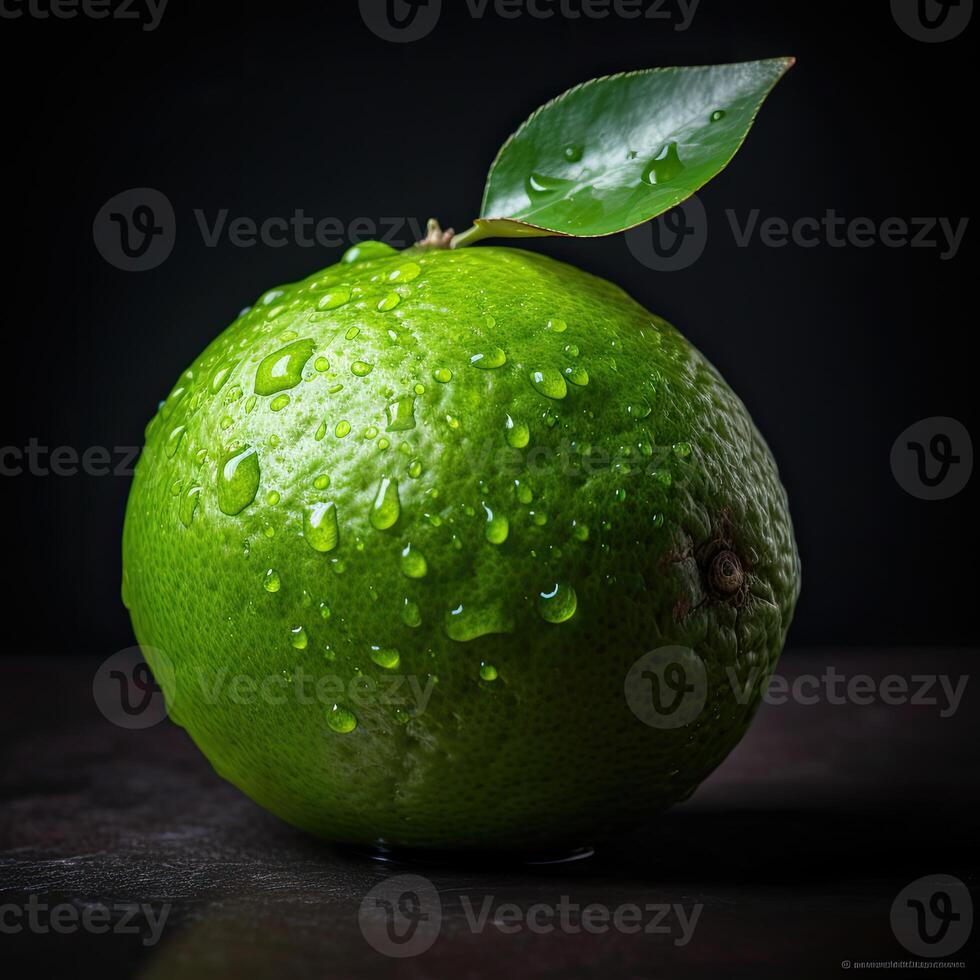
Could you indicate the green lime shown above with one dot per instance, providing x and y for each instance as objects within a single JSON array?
[{"x": 443, "y": 517}]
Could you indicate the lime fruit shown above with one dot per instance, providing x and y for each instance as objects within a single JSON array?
[{"x": 418, "y": 534}]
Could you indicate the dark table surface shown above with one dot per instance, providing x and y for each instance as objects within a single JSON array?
[{"x": 794, "y": 850}]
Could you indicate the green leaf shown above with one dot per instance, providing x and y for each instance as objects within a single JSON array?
[{"x": 617, "y": 151}]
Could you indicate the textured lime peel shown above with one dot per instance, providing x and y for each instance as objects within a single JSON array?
[
  {"x": 617, "y": 151},
  {"x": 404, "y": 536}
]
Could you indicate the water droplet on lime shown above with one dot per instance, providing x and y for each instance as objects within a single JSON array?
[
  {"x": 389, "y": 659},
  {"x": 405, "y": 273},
  {"x": 238, "y": 480},
  {"x": 401, "y": 414},
  {"x": 283, "y": 369},
  {"x": 413, "y": 563},
  {"x": 497, "y": 527},
  {"x": 320, "y": 527},
  {"x": 489, "y": 359},
  {"x": 411, "y": 614},
  {"x": 518, "y": 434},
  {"x": 549, "y": 382},
  {"x": 386, "y": 508},
  {"x": 466, "y": 622},
  {"x": 341, "y": 720},
  {"x": 188, "y": 505},
  {"x": 558, "y": 603},
  {"x": 367, "y": 251}
]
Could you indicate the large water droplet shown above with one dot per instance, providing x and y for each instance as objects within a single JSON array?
[
  {"x": 366, "y": 251},
  {"x": 413, "y": 563},
  {"x": 540, "y": 185},
  {"x": 488, "y": 672},
  {"x": 320, "y": 527},
  {"x": 238, "y": 480},
  {"x": 577, "y": 375},
  {"x": 489, "y": 359},
  {"x": 342, "y": 720},
  {"x": 717, "y": 115},
  {"x": 411, "y": 614},
  {"x": 361, "y": 369},
  {"x": 518, "y": 434},
  {"x": 173, "y": 440},
  {"x": 334, "y": 298},
  {"x": 298, "y": 638},
  {"x": 272, "y": 582},
  {"x": 497, "y": 527},
  {"x": 388, "y": 302},
  {"x": 405, "y": 273},
  {"x": 220, "y": 376},
  {"x": 188, "y": 505},
  {"x": 386, "y": 508},
  {"x": 442, "y": 375},
  {"x": 284, "y": 368},
  {"x": 401, "y": 414},
  {"x": 466, "y": 622},
  {"x": 639, "y": 409},
  {"x": 666, "y": 165},
  {"x": 572, "y": 152},
  {"x": 387, "y": 658},
  {"x": 558, "y": 603},
  {"x": 549, "y": 382}
]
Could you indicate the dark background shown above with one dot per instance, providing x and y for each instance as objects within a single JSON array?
[{"x": 299, "y": 105}]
